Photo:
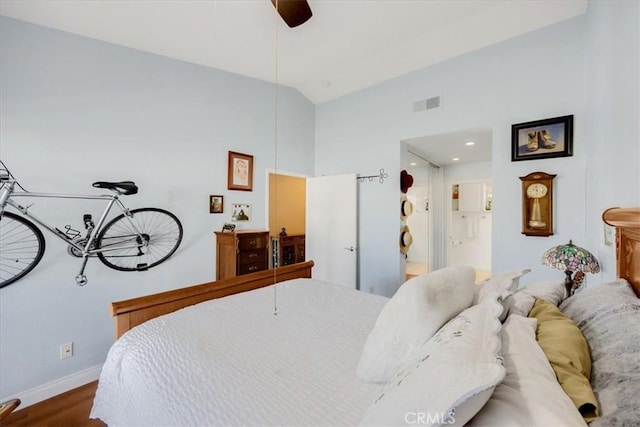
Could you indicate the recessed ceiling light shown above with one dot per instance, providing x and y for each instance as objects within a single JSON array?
[
  {"x": 470, "y": 143},
  {"x": 412, "y": 164},
  {"x": 455, "y": 159}
]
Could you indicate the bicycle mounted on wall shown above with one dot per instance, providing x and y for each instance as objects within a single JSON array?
[{"x": 135, "y": 240}]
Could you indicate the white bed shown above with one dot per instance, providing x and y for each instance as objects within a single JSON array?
[{"x": 231, "y": 361}]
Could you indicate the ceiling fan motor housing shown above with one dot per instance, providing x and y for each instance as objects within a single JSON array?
[{"x": 293, "y": 12}]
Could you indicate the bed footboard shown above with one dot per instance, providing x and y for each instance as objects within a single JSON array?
[{"x": 132, "y": 312}]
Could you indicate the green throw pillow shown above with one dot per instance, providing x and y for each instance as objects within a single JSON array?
[{"x": 568, "y": 352}]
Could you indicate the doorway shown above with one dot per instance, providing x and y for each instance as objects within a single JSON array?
[
  {"x": 470, "y": 226},
  {"x": 286, "y": 203},
  {"x": 442, "y": 238},
  {"x": 322, "y": 213}
]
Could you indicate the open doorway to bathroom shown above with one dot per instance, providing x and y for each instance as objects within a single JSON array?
[
  {"x": 443, "y": 234},
  {"x": 470, "y": 223}
]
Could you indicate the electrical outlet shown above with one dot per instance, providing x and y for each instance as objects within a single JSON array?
[
  {"x": 371, "y": 289},
  {"x": 66, "y": 350}
]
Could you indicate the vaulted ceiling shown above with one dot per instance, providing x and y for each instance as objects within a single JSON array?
[{"x": 347, "y": 45}]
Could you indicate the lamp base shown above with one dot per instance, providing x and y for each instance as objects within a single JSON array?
[{"x": 568, "y": 283}]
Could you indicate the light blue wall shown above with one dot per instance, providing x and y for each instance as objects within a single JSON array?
[
  {"x": 587, "y": 66},
  {"x": 535, "y": 76},
  {"x": 613, "y": 117},
  {"x": 75, "y": 110}
]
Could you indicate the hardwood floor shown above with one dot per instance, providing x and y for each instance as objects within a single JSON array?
[{"x": 70, "y": 409}]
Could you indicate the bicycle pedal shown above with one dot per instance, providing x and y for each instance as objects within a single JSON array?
[
  {"x": 81, "y": 280},
  {"x": 142, "y": 267}
]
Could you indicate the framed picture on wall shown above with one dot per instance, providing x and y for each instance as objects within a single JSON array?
[
  {"x": 240, "y": 171},
  {"x": 240, "y": 212},
  {"x": 542, "y": 139},
  {"x": 216, "y": 204}
]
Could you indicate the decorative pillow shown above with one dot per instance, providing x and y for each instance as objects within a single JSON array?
[
  {"x": 418, "y": 309},
  {"x": 529, "y": 395},
  {"x": 568, "y": 352},
  {"x": 504, "y": 284},
  {"x": 521, "y": 302},
  {"x": 553, "y": 291},
  {"x": 450, "y": 378},
  {"x": 609, "y": 317}
]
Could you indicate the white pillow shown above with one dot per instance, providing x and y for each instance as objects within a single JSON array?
[
  {"x": 553, "y": 291},
  {"x": 521, "y": 302},
  {"x": 504, "y": 284},
  {"x": 451, "y": 377},
  {"x": 529, "y": 395},
  {"x": 418, "y": 309}
]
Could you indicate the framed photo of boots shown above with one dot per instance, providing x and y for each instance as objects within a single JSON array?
[{"x": 542, "y": 139}]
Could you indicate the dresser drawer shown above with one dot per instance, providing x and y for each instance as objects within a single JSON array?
[
  {"x": 241, "y": 252},
  {"x": 248, "y": 257},
  {"x": 252, "y": 242},
  {"x": 252, "y": 268}
]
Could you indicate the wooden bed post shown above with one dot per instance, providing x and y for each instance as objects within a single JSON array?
[{"x": 627, "y": 224}]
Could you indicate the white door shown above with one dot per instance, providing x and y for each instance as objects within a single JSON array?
[{"x": 332, "y": 228}]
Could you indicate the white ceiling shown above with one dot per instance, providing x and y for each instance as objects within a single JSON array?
[
  {"x": 450, "y": 148},
  {"x": 347, "y": 45}
]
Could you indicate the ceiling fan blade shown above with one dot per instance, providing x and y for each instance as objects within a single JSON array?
[{"x": 294, "y": 12}]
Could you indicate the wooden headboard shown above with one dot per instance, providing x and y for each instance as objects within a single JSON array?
[
  {"x": 132, "y": 312},
  {"x": 627, "y": 224}
]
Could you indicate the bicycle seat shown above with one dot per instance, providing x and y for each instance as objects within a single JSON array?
[{"x": 122, "y": 187}]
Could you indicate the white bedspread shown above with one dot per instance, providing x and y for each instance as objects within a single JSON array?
[{"x": 232, "y": 362}]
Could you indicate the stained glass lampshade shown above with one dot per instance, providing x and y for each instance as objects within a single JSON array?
[{"x": 571, "y": 258}]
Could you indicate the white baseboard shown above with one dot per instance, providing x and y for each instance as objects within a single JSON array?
[{"x": 53, "y": 388}]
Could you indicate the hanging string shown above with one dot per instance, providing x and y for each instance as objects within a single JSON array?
[
  {"x": 381, "y": 177},
  {"x": 275, "y": 144}
]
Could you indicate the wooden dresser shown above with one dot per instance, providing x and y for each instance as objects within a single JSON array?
[
  {"x": 288, "y": 250},
  {"x": 241, "y": 252}
]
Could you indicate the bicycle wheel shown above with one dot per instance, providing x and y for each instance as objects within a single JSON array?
[
  {"x": 21, "y": 247},
  {"x": 123, "y": 248}
]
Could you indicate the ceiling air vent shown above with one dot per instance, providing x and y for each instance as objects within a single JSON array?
[{"x": 426, "y": 104}]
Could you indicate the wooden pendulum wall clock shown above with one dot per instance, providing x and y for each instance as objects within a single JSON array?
[{"x": 537, "y": 204}]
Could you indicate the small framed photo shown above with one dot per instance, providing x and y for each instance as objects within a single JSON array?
[
  {"x": 240, "y": 172},
  {"x": 216, "y": 204},
  {"x": 240, "y": 212},
  {"x": 542, "y": 139}
]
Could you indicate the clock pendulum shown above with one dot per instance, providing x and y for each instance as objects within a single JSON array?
[{"x": 535, "y": 191}]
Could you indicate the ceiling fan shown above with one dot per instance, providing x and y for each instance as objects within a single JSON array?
[{"x": 293, "y": 12}]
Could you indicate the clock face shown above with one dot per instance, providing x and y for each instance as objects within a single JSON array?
[{"x": 537, "y": 190}]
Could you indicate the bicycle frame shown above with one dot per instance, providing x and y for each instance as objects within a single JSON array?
[
  {"x": 7, "y": 194},
  {"x": 129, "y": 240}
]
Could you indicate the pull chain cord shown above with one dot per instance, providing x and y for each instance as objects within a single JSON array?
[{"x": 275, "y": 137}]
